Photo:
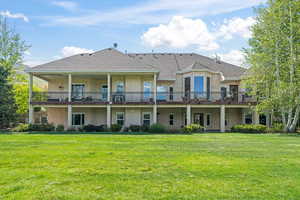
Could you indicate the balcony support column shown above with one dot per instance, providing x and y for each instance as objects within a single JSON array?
[
  {"x": 154, "y": 114},
  {"x": 70, "y": 87},
  {"x": 108, "y": 88},
  {"x": 188, "y": 115},
  {"x": 154, "y": 88},
  {"x": 30, "y": 112},
  {"x": 69, "y": 116},
  {"x": 222, "y": 119},
  {"x": 108, "y": 116}
]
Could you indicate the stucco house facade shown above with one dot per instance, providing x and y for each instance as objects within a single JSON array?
[{"x": 110, "y": 87}]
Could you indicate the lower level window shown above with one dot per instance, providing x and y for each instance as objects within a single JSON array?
[
  {"x": 120, "y": 118},
  {"x": 208, "y": 120},
  {"x": 146, "y": 119},
  {"x": 248, "y": 119},
  {"x": 77, "y": 119},
  {"x": 171, "y": 119}
]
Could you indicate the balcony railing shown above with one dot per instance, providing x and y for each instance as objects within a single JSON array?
[{"x": 142, "y": 97}]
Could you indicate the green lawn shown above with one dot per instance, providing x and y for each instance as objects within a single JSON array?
[{"x": 200, "y": 166}]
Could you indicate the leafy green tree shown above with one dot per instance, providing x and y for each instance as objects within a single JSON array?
[
  {"x": 274, "y": 75},
  {"x": 12, "y": 49}
]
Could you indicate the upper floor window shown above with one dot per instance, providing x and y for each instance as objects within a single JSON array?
[
  {"x": 120, "y": 87},
  {"x": 147, "y": 89},
  {"x": 199, "y": 86},
  {"x": 77, "y": 91},
  {"x": 161, "y": 93}
]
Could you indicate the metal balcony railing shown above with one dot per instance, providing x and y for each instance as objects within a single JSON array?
[{"x": 143, "y": 97}]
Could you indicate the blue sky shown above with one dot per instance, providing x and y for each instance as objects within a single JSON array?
[{"x": 56, "y": 28}]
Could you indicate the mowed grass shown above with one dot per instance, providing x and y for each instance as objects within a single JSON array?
[{"x": 199, "y": 166}]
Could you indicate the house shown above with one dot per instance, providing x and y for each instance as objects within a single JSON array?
[{"x": 111, "y": 87}]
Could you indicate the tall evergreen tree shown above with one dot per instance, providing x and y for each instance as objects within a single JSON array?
[
  {"x": 274, "y": 59},
  {"x": 12, "y": 49}
]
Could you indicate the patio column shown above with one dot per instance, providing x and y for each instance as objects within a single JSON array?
[
  {"x": 69, "y": 116},
  {"x": 154, "y": 114},
  {"x": 188, "y": 115},
  {"x": 154, "y": 88},
  {"x": 108, "y": 116},
  {"x": 222, "y": 119},
  {"x": 108, "y": 87},
  {"x": 30, "y": 112},
  {"x": 70, "y": 88}
]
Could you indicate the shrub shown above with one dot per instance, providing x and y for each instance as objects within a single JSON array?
[
  {"x": 93, "y": 128},
  {"x": 249, "y": 128},
  {"x": 193, "y": 128},
  {"x": 21, "y": 128},
  {"x": 41, "y": 127},
  {"x": 71, "y": 129},
  {"x": 157, "y": 128},
  {"x": 145, "y": 128},
  {"x": 115, "y": 127},
  {"x": 60, "y": 127},
  {"x": 135, "y": 128}
]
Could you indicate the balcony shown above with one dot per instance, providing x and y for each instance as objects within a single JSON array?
[{"x": 140, "y": 98}]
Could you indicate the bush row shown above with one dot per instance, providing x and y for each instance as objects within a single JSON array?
[
  {"x": 249, "y": 128},
  {"x": 154, "y": 128}
]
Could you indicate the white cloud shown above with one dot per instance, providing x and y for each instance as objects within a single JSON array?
[
  {"x": 181, "y": 32},
  {"x": 154, "y": 12},
  {"x": 71, "y": 50},
  {"x": 68, "y": 5},
  {"x": 15, "y": 15},
  {"x": 236, "y": 27},
  {"x": 235, "y": 57}
]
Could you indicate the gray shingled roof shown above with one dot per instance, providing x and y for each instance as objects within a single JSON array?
[
  {"x": 105, "y": 60},
  {"x": 170, "y": 63},
  {"x": 167, "y": 64}
]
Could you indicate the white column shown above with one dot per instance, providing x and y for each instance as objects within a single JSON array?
[
  {"x": 69, "y": 116},
  {"x": 255, "y": 117},
  {"x": 70, "y": 87},
  {"x": 154, "y": 114},
  {"x": 154, "y": 88},
  {"x": 30, "y": 113},
  {"x": 188, "y": 115},
  {"x": 108, "y": 87},
  {"x": 222, "y": 119},
  {"x": 108, "y": 116}
]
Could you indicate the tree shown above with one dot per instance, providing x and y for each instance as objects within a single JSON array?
[
  {"x": 274, "y": 75},
  {"x": 12, "y": 49}
]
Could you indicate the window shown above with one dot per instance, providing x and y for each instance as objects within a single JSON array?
[
  {"x": 147, "y": 90},
  {"x": 104, "y": 92},
  {"x": 248, "y": 118},
  {"x": 171, "y": 93},
  {"x": 77, "y": 119},
  {"x": 120, "y": 87},
  {"x": 120, "y": 118},
  {"x": 77, "y": 91},
  {"x": 171, "y": 119},
  {"x": 161, "y": 93},
  {"x": 199, "y": 86},
  {"x": 208, "y": 119},
  {"x": 223, "y": 92},
  {"x": 147, "y": 118}
]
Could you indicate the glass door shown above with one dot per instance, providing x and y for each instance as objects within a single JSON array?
[
  {"x": 77, "y": 91},
  {"x": 103, "y": 93}
]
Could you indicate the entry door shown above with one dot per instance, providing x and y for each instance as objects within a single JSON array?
[
  {"x": 199, "y": 118},
  {"x": 187, "y": 87},
  {"x": 234, "y": 91}
]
